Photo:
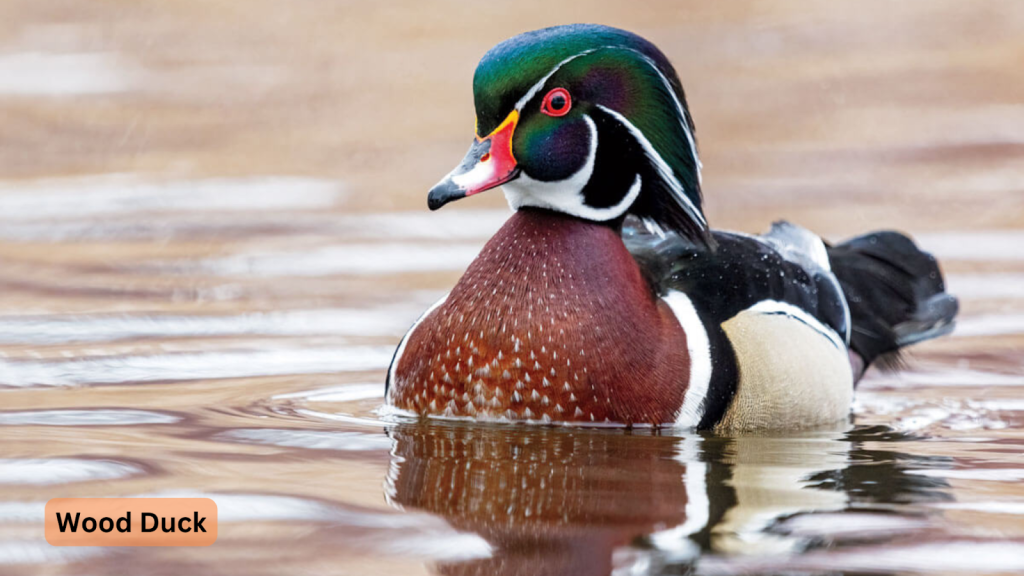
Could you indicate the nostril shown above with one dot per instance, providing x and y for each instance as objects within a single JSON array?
[{"x": 485, "y": 157}]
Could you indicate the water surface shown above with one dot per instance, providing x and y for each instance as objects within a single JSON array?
[{"x": 213, "y": 233}]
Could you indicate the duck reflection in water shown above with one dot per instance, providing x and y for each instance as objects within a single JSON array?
[{"x": 575, "y": 501}]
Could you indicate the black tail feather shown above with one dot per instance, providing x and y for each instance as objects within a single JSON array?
[{"x": 895, "y": 292}]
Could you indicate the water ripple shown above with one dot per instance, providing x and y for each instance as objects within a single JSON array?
[
  {"x": 92, "y": 417},
  {"x": 42, "y": 73},
  {"x": 50, "y": 471},
  {"x": 192, "y": 366},
  {"x": 312, "y": 439},
  {"x": 127, "y": 194},
  {"x": 387, "y": 258},
  {"x": 38, "y": 551},
  {"x": 55, "y": 329},
  {"x": 345, "y": 393}
]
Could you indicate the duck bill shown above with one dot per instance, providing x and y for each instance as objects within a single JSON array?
[{"x": 488, "y": 164}]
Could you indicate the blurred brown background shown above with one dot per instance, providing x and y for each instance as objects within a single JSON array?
[{"x": 901, "y": 113}]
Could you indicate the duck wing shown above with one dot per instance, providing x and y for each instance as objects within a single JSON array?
[{"x": 787, "y": 266}]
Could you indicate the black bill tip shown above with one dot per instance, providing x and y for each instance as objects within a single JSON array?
[{"x": 444, "y": 192}]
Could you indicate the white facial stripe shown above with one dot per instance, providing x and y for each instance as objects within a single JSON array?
[
  {"x": 679, "y": 108},
  {"x": 683, "y": 116},
  {"x": 660, "y": 165},
  {"x": 776, "y": 307},
  {"x": 699, "y": 348},
  {"x": 525, "y": 191},
  {"x": 540, "y": 83},
  {"x": 401, "y": 349},
  {"x": 562, "y": 195},
  {"x": 567, "y": 195},
  {"x": 623, "y": 205}
]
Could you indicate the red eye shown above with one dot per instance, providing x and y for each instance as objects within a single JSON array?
[{"x": 557, "y": 102}]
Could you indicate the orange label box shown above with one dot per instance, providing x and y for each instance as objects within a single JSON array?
[{"x": 131, "y": 522}]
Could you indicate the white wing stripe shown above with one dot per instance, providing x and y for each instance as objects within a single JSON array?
[{"x": 776, "y": 307}]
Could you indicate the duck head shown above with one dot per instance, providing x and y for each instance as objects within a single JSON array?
[{"x": 586, "y": 120}]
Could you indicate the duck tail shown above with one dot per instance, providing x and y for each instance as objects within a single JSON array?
[{"x": 896, "y": 295}]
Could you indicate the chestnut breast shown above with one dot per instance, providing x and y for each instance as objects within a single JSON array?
[{"x": 552, "y": 322}]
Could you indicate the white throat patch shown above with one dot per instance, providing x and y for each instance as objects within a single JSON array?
[{"x": 566, "y": 195}]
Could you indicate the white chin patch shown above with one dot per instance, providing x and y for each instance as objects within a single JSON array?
[{"x": 567, "y": 195}]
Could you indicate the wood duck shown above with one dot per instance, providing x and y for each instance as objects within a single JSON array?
[{"x": 607, "y": 299}]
